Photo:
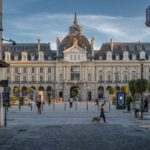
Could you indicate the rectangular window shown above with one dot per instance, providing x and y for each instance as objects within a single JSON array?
[
  {"x": 41, "y": 70},
  {"x": 33, "y": 70},
  {"x": 8, "y": 70},
  {"x": 16, "y": 70},
  {"x": 24, "y": 78},
  {"x": 41, "y": 78},
  {"x": 16, "y": 78},
  {"x": 49, "y": 78},
  {"x": 75, "y": 73},
  {"x": 24, "y": 70},
  {"x": 33, "y": 78},
  {"x": 49, "y": 69}
]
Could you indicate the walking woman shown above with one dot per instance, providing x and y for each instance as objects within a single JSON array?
[{"x": 102, "y": 114}]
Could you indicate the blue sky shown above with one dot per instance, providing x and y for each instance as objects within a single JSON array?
[{"x": 122, "y": 20}]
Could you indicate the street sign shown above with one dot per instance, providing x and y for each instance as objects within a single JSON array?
[{"x": 5, "y": 96}]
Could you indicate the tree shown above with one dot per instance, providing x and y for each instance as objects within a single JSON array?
[
  {"x": 125, "y": 89},
  {"x": 132, "y": 87},
  {"x": 138, "y": 85}
]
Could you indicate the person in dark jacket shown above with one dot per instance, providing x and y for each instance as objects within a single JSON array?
[
  {"x": 102, "y": 113},
  {"x": 146, "y": 105}
]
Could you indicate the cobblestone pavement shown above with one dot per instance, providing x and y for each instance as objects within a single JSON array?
[
  {"x": 74, "y": 137},
  {"x": 72, "y": 129}
]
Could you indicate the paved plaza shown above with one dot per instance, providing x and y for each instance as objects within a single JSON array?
[{"x": 62, "y": 128}]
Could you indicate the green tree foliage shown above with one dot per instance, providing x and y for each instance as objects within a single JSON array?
[
  {"x": 138, "y": 85},
  {"x": 135, "y": 86},
  {"x": 125, "y": 89}
]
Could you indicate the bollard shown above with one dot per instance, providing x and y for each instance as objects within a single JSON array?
[
  {"x": 19, "y": 107},
  {"x": 5, "y": 115},
  {"x": 31, "y": 106},
  {"x": 76, "y": 106},
  {"x": 53, "y": 106},
  {"x": 65, "y": 106},
  {"x": 87, "y": 107}
]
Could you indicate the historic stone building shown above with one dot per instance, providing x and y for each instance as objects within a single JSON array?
[{"x": 75, "y": 68}]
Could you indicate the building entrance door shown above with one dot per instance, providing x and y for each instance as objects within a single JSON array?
[{"x": 75, "y": 92}]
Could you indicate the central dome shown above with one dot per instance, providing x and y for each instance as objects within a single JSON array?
[{"x": 75, "y": 32}]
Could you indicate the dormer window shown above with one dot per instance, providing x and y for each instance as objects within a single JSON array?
[
  {"x": 16, "y": 57},
  {"x": 41, "y": 56},
  {"x": 109, "y": 55},
  {"x": 100, "y": 58},
  {"x": 117, "y": 57},
  {"x": 24, "y": 56},
  {"x": 49, "y": 58},
  {"x": 32, "y": 57},
  {"x": 126, "y": 56},
  {"x": 7, "y": 56},
  {"x": 133, "y": 56},
  {"x": 142, "y": 55},
  {"x": 148, "y": 56}
]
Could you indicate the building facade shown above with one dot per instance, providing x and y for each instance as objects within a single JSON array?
[{"x": 75, "y": 68}]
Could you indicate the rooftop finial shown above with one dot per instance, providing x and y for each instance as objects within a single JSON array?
[{"x": 75, "y": 19}]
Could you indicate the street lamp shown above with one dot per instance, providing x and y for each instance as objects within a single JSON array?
[
  {"x": 141, "y": 62},
  {"x": 19, "y": 90}
]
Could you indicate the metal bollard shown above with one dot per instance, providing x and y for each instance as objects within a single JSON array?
[
  {"x": 53, "y": 106},
  {"x": 76, "y": 106},
  {"x": 87, "y": 106},
  {"x": 31, "y": 106},
  {"x": 65, "y": 106},
  {"x": 5, "y": 115},
  {"x": 19, "y": 107}
]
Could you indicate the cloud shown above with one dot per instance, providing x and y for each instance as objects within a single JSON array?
[{"x": 49, "y": 26}]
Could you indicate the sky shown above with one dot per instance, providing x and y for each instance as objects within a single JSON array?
[{"x": 121, "y": 20}]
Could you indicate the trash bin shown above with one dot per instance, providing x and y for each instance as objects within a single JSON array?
[{"x": 136, "y": 110}]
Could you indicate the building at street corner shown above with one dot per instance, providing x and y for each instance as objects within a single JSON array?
[{"x": 75, "y": 68}]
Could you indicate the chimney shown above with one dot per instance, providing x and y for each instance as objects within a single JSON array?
[
  {"x": 39, "y": 46},
  {"x": 111, "y": 44}
]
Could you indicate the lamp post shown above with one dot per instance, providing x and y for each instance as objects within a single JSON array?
[
  {"x": 141, "y": 62},
  {"x": 19, "y": 90}
]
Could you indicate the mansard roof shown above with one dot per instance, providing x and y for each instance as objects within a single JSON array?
[{"x": 119, "y": 48}]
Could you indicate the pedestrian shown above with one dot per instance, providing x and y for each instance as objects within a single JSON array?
[
  {"x": 102, "y": 113},
  {"x": 38, "y": 103},
  {"x": 71, "y": 102},
  {"x": 96, "y": 101},
  {"x": 146, "y": 105}
]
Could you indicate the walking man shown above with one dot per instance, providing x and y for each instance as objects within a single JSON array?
[
  {"x": 102, "y": 114},
  {"x": 38, "y": 103}
]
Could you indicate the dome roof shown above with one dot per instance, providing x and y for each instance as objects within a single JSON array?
[
  {"x": 75, "y": 33},
  {"x": 82, "y": 42}
]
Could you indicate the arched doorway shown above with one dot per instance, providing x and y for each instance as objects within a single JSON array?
[
  {"x": 24, "y": 90},
  {"x": 75, "y": 91},
  {"x": 100, "y": 92}
]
